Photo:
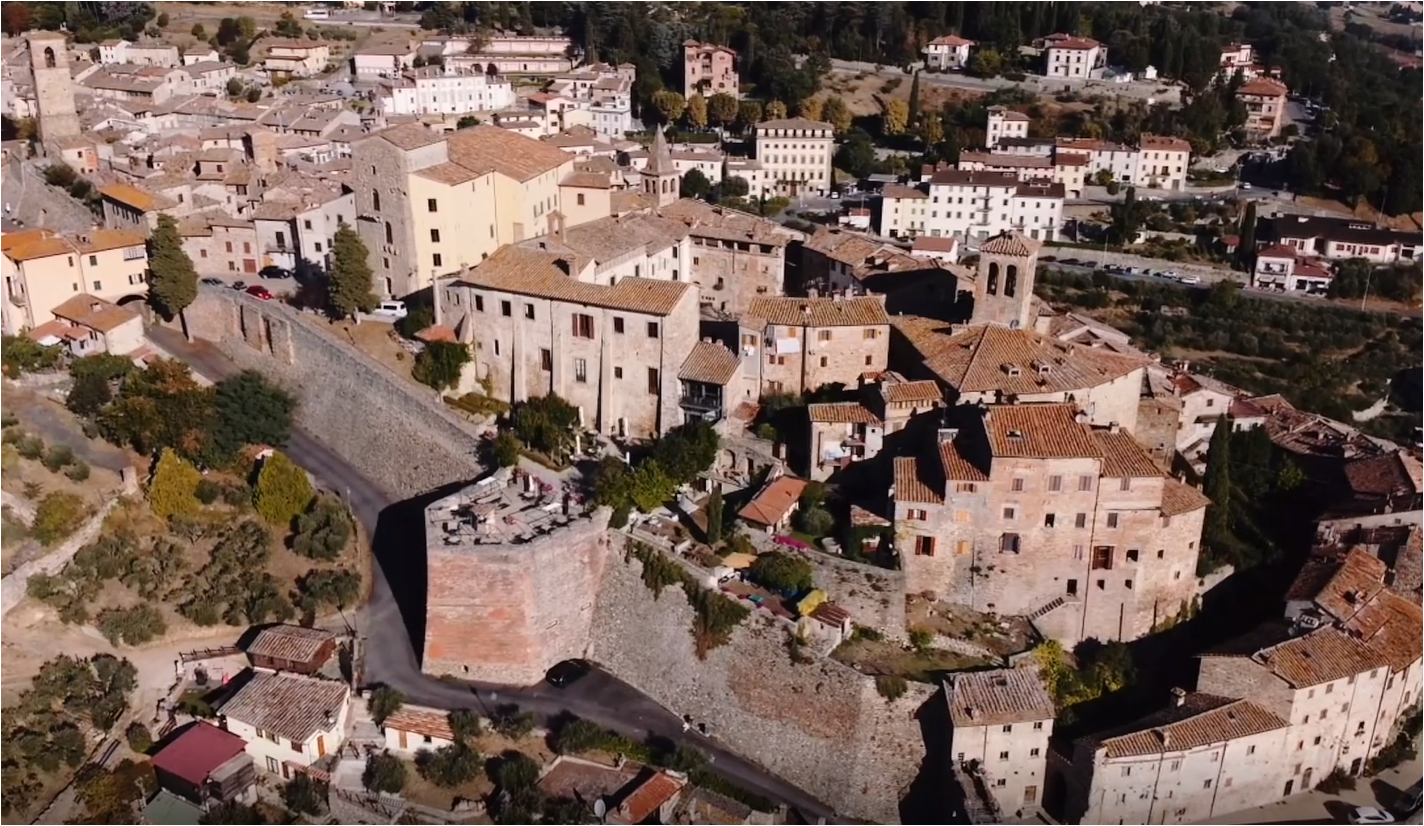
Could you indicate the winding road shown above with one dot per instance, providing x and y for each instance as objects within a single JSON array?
[{"x": 390, "y": 656}]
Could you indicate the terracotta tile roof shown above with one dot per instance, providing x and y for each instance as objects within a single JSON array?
[
  {"x": 1008, "y": 114},
  {"x": 993, "y": 698},
  {"x": 841, "y": 413},
  {"x": 929, "y": 243},
  {"x": 711, "y": 363},
  {"x": 55, "y": 328},
  {"x": 94, "y": 313},
  {"x": 957, "y": 466},
  {"x": 1265, "y": 87},
  {"x": 1123, "y": 456},
  {"x": 408, "y": 136},
  {"x": 1042, "y": 431},
  {"x": 1073, "y": 43},
  {"x": 627, "y": 201},
  {"x": 437, "y": 332},
  {"x": 979, "y": 177},
  {"x": 290, "y": 642},
  {"x": 1396, "y": 474},
  {"x": 450, "y": 174},
  {"x": 587, "y": 180},
  {"x": 650, "y": 795},
  {"x": 29, "y": 244},
  {"x": 864, "y": 311},
  {"x": 1162, "y": 142},
  {"x": 951, "y": 40},
  {"x": 1179, "y": 498},
  {"x": 771, "y": 505},
  {"x": 511, "y": 154},
  {"x": 1009, "y": 243},
  {"x": 707, "y": 221},
  {"x": 1006, "y": 161},
  {"x": 910, "y": 485},
  {"x": 795, "y": 123},
  {"x": 1319, "y": 657},
  {"x": 987, "y": 357},
  {"x": 1392, "y": 627},
  {"x": 903, "y": 191},
  {"x": 831, "y": 614},
  {"x": 908, "y": 392},
  {"x": 137, "y": 198},
  {"x": 196, "y": 753},
  {"x": 572, "y": 777},
  {"x": 613, "y": 237},
  {"x": 523, "y": 271},
  {"x": 1202, "y": 720},
  {"x": 423, "y": 721},
  {"x": 287, "y": 705}
]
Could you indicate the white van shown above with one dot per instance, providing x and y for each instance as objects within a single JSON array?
[
  {"x": 317, "y": 14},
  {"x": 389, "y": 311}
]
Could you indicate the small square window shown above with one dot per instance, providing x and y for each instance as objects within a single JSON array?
[
  {"x": 430, "y": 205},
  {"x": 506, "y": 309},
  {"x": 529, "y": 311},
  {"x": 1017, "y": 484},
  {"x": 1003, "y": 755},
  {"x": 652, "y": 329},
  {"x": 1008, "y": 728},
  {"x": 1009, "y": 513},
  {"x": 1112, "y": 521},
  {"x": 1080, "y": 520},
  {"x": 618, "y": 372},
  {"x": 1049, "y": 519}
]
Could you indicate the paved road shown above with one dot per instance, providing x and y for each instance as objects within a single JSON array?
[{"x": 395, "y": 528}]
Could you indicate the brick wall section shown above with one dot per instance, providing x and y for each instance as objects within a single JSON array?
[
  {"x": 507, "y": 613},
  {"x": 847, "y": 354},
  {"x": 729, "y": 278},
  {"x": 874, "y": 596},
  {"x": 399, "y": 436},
  {"x": 821, "y": 726}
]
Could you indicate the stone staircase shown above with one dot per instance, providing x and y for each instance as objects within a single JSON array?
[
  {"x": 364, "y": 730},
  {"x": 1049, "y": 607}
]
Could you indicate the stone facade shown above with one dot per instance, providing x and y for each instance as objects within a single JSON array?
[
  {"x": 532, "y": 607},
  {"x": 820, "y": 725},
  {"x": 810, "y": 342},
  {"x": 403, "y": 438},
  {"x": 54, "y": 88}
]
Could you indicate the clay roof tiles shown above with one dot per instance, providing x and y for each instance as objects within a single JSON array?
[
  {"x": 290, "y": 642},
  {"x": 1042, "y": 431},
  {"x": 913, "y": 391},
  {"x": 910, "y": 483},
  {"x": 423, "y": 721},
  {"x": 1009, "y": 243},
  {"x": 650, "y": 795},
  {"x": 1004, "y": 695},
  {"x": 1179, "y": 498},
  {"x": 1202, "y": 720},
  {"x": 523, "y": 271},
  {"x": 450, "y": 174},
  {"x": 864, "y": 311},
  {"x": 841, "y": 413},
  {"x": 1123, "y": 457},
  {"x": 94, "y": 313},
  {"x": 288, "y": 705},
  {"x": 33, "y": 243},
  {"x": 771, "y": 505},
  {"x": 710, "y": 363}
]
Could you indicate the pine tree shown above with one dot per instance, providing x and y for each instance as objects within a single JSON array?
[
  {"x": 714, "y": 516},
  {"x": 172, "y": 281},
  {"x": 914, "y": 100},
  {"x": 1246, "y": 247},
  {"x": 349, "y": 288},
  {"x": 1217, "y": 486},
  {"x": 283, "y": 491},
  {"x": 172, "y": 489}
]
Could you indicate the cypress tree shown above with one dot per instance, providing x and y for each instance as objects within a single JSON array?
[
  {"x": 714, "y": 516},
  {"x": 349, "y": 288},
  {"x": 1217, "y": 486},
  {"x": 1246, "y": 248},
  {"x": 172, "y": 281},
  {"x": 914, "y": 101}
]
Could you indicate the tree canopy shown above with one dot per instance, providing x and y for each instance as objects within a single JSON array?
[
  {"x": 172, "y": 281},
  {"x": 349, "y": 287}
]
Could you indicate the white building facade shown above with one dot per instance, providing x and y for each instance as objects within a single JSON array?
[
  {"x": 795, "y": 155},
  {"x": 437, "y": 90}
]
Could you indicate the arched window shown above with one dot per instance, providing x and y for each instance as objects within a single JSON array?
[
  {"x": 1011, "y": 280},
  {"x": 390, "y": 237},
  {"x": 376, "y": 200},
  {"x": 992, "y": 288},
  {"x": 49, "y": 57}
]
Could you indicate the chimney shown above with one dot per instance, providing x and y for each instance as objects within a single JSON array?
[
  {"x": 1179, "y": 697},
  {"x": 1114, "y": 427}
]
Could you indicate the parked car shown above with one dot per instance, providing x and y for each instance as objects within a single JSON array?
[
  {"x": 390, "y": 311},
  {"x": 1189, "y": 279},
  {"x": 1368, "y": 814},
  {"x": 212, "y": 282},
  {"x": 1072, "y": 262},
  {"x": 239, "y": 285},
  {"x": 1245, "y": 185},
  {"x": 259, "y": 291},
  {"x": 566, "y": 672},
  {"x": 275, "y": 272}
]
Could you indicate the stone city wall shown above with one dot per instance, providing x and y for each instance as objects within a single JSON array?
[
  {"x": 820, "y": 725},
  {"x": 874, "y": 596},
  {"x": 395, "y": 433}
]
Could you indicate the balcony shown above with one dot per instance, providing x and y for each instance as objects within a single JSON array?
[
  {"x": 19, "y": 299},
  {"x": 702, "y": 402}
]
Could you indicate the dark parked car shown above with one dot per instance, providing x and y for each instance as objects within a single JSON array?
[
  {"x": 239, "y": 285},
  {"x": 213, "y": 282},
  {"x": 567, "y": 672},
  {"x": 275, "y": 272}
]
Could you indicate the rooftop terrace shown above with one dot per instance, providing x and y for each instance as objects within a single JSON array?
[{"x": 508, "y": 507}]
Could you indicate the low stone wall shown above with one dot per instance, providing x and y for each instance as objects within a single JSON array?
[
  {"x": 14, "y": 586},
  {"x": 402, "y": 438},
  {"x": 874, "y": 596},
  {"x": 819, "y": 725}
]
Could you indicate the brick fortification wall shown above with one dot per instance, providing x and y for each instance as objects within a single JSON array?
[
  {"x": 821, "y": 725},
  {"x": 507, "y": 613},
  {"x": 392, "y": 432}
]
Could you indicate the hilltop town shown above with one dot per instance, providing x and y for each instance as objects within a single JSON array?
[{"x": 710, "y": 413}]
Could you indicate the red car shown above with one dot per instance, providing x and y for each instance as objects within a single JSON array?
[{"x": 259, "y": 291}]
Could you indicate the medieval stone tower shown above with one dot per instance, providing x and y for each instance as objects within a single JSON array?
[
  {"x": 1003, "y": 289},
  {"x": 54, "y": 90},
  {"x": 662, "y": 183}
]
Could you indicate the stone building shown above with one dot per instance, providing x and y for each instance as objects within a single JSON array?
[
  {"x": 1265, "y": 102},
  {"x": 536, "y": 564},
  {"x": 795, "y": 154},
  {"x": 54, "y": 88},
  {"x": 736, "y": 257},
  {"x": 429, "y": 205},
  {"x": 539, "y": 322},
  {"x": 709, "y": 69},
  {"x": 42, "y": 270},
  {"x": 662, "y": 182},
  {"x": 1201, "y": 757},
  {"x": 945, "y": 53},
  {"x": 1028, "y": 510},
  {"x": 974, "y": 204},
  {"x": 1000, "y": 722},
  {"x": 1078, "y": 58},
  {"x": 1004, "y": 124},
  {"x": 1343, "y": 669},
  {"x": 713, "y": 382},
  {"x": 810, "y": 342},
  {"x": 846, "y": 432}
]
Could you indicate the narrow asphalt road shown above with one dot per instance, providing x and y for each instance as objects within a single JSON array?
[{"x": 390, "y": 656}]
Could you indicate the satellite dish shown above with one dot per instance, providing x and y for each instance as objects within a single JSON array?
[{"x": 600, "y": 809}]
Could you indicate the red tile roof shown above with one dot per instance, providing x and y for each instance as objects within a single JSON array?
[
  {"x": 649, "y": 797},
  {"x": 771, "y": 505}
]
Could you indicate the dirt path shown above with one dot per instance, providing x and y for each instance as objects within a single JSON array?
[{"x": 56, "y": 425}]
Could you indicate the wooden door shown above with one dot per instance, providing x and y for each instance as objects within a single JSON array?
[{"x": 321, "y": 745}]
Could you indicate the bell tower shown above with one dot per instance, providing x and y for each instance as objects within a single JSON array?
[
  {"x": 662, "y": 183},
  {"x": 54, "y": 89},
  {"x": 1003, "y": 288}
]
